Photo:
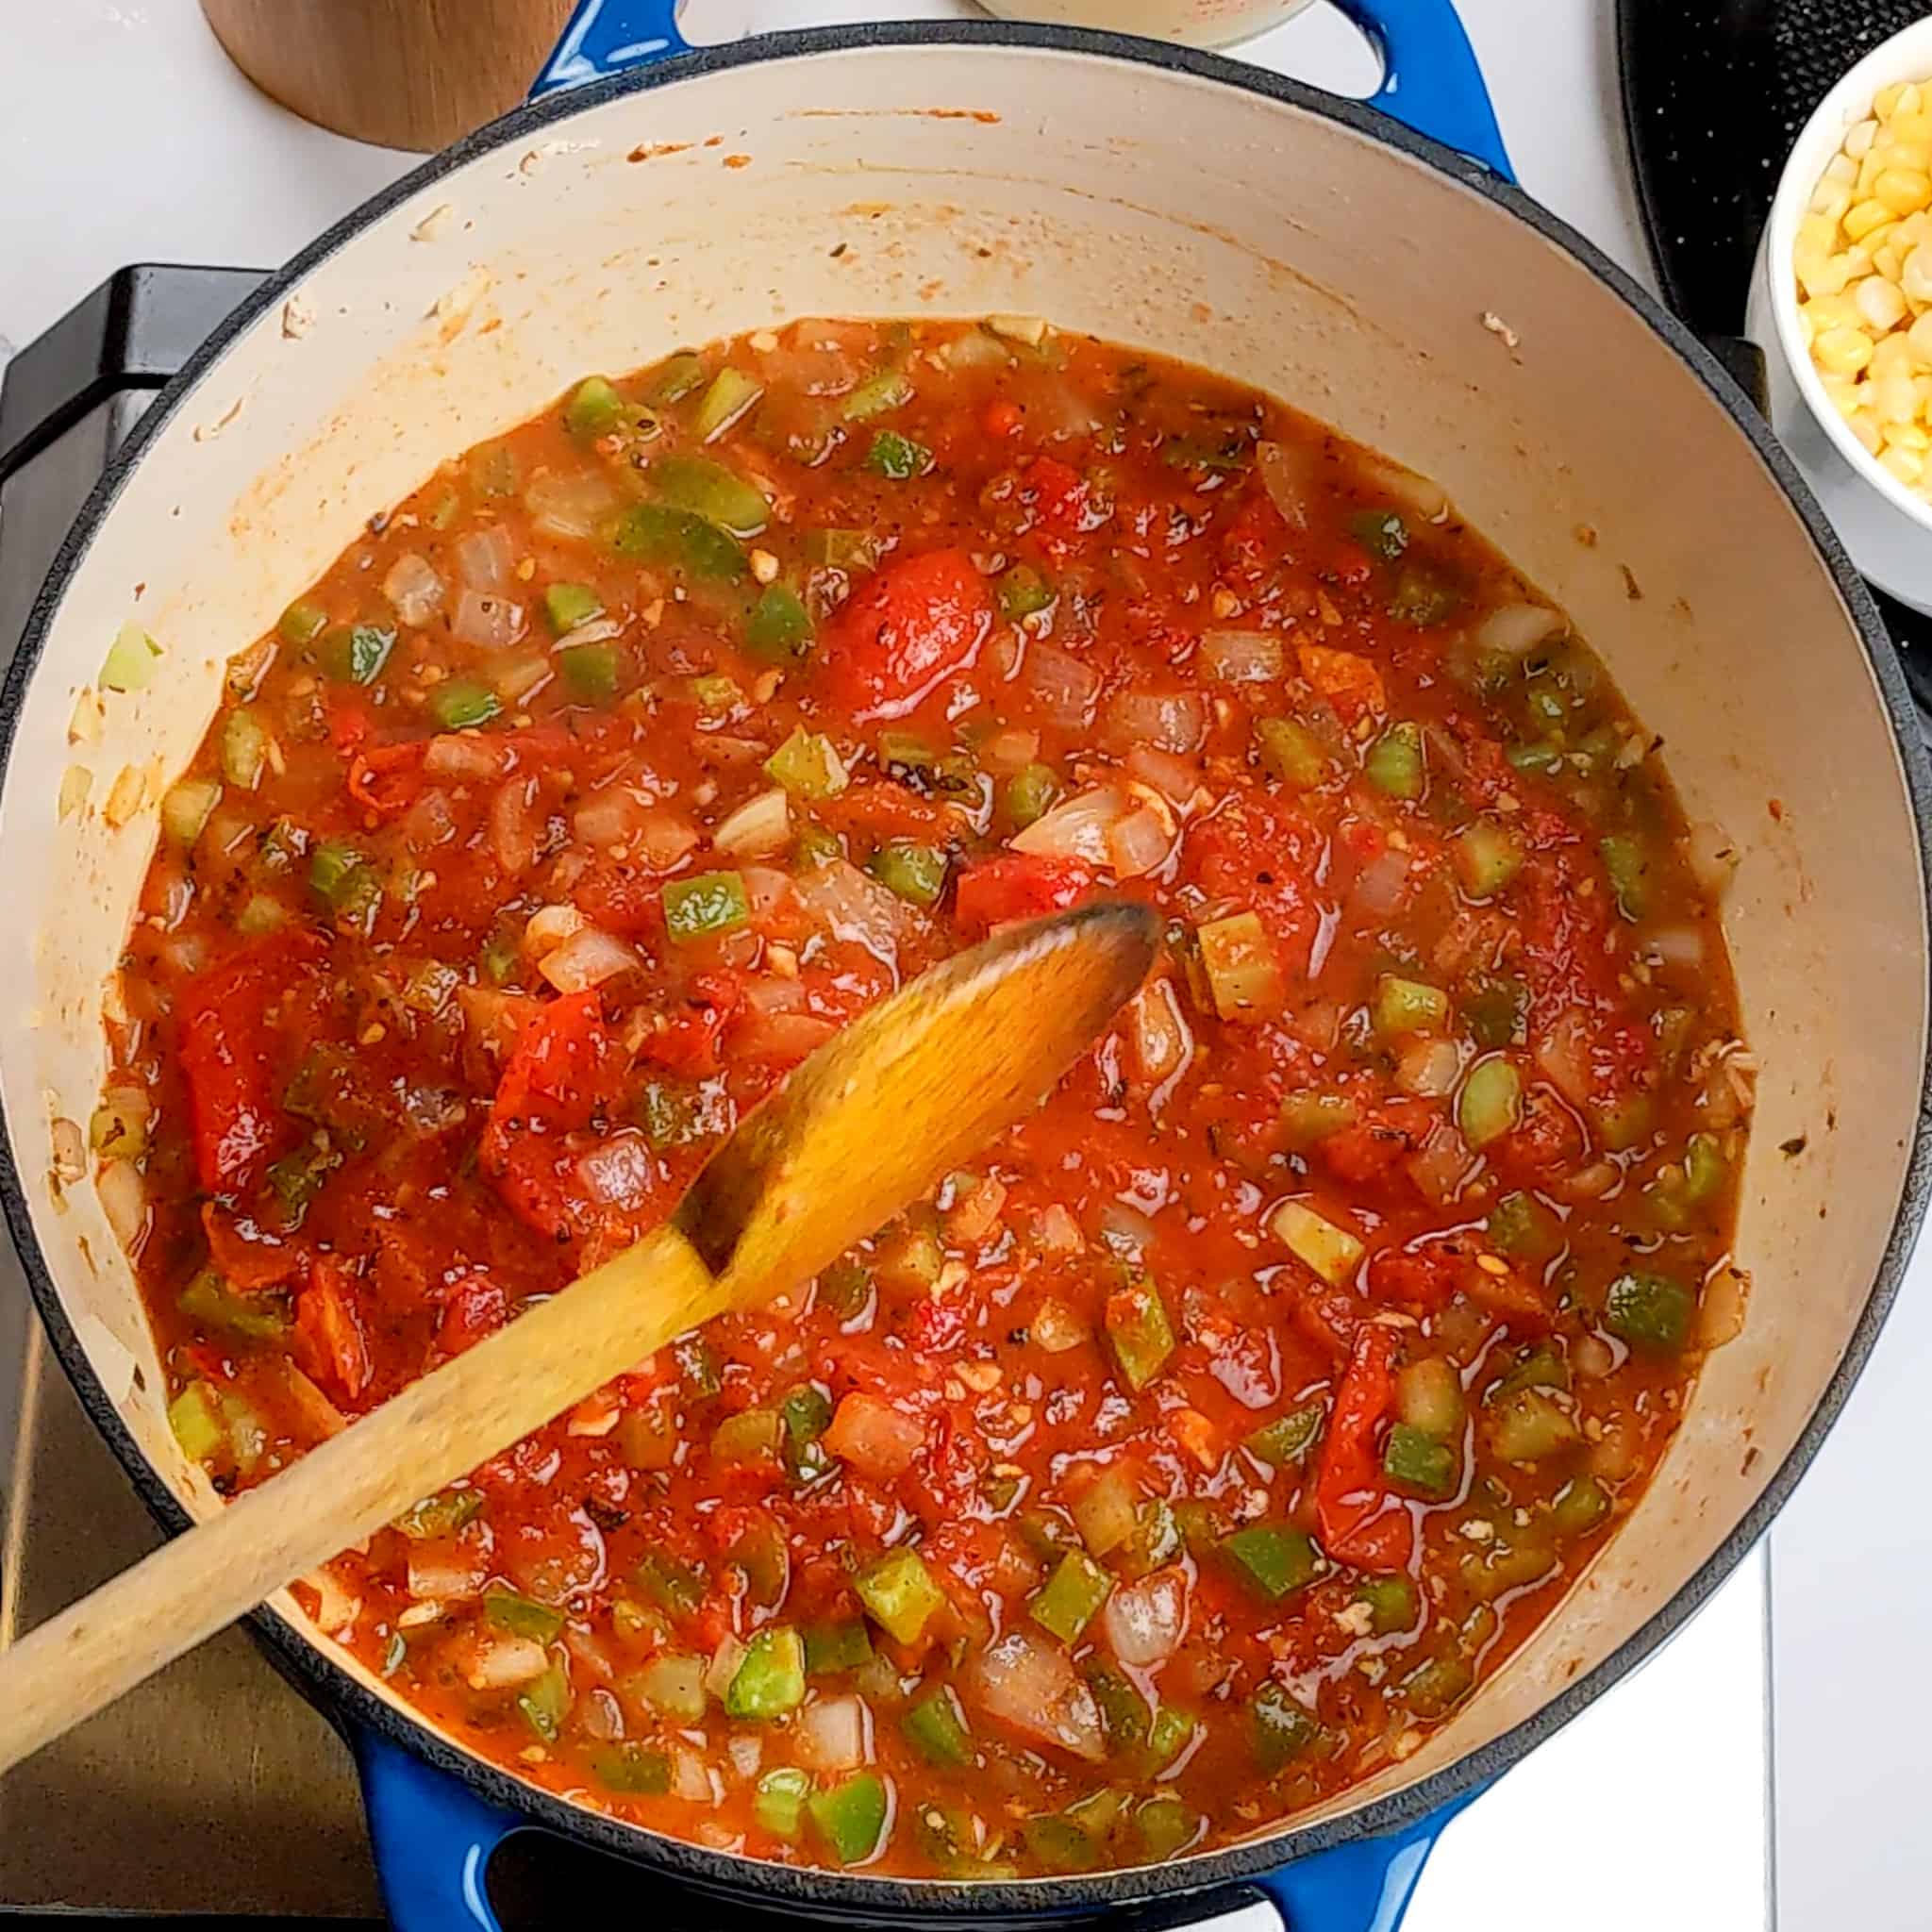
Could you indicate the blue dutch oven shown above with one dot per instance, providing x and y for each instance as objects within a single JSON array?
[{"x": 1372, "y": 263}]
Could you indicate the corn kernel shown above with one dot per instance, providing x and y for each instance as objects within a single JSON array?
[
  {"x": 1905, "y": 154},
  {"x": 1895, "y": 400},
  {"x": 1845, "y": 350},
  {"x": 1886, "y": 260},
  {"x": 1906, "y": 436},
  {"x": 1869, "y": 170},
  {"x": 1859, "y": 140},
  {"x": 1863, "y": 216},
  {"x": 1891, "y": 354},
  {"x": 1814, "y": 231},
  {"x": 1831, "y": 201},
  {"x": 1919, "y": 339},
  {"x": 1911, "y": 98},
  {"x": 1915, "y": 278},
  {"x": 1912, "y": 130},
  {"x": 1832, "y": 312},
  {"x": 1862, "y": 426},
  {"x": 1904, "y": 463},
  {"x": 1843, "y": 169},
  {"x": 1879, "y": 303},
  {"x": 1904, "y": 190},
  {"x": 1830, "y": 277}
]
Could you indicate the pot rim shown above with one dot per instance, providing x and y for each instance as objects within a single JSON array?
[{"x": 326, "y": 1683}]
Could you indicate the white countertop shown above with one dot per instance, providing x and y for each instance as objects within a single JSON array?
[{"x": 1651, "y": 1809}]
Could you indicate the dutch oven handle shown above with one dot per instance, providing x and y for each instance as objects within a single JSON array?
[
  {"x": 1431, "y": 79},
  {"x": 433, "y": 1838}
]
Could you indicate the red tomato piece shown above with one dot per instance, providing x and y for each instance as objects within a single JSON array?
[
  {"x": 330, "y": 1346},
  {"x": 905, "y": 629},
  {"x": 1018, "y": 886},
  {"x": 620, "y": 899},
  {"x": 1058, "y": 493},
  {"x": 558, "y": 1069},
  {"x": 874, "y": 1437},
  {"x": 1367, "y": 1151},
  {"x": 476, "y": 1307},
  {"x": 1359, "y": 1521},
  {"x": 387, "y": 777},
  {"x": 1001, "y": 418},
  {"x": 228, "y": 1057},
  {"x": 687, "y": 1043}
]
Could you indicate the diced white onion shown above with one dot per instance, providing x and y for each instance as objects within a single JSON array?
[
  {"x": 1428, "y": 1068},
  {"x": 452, "y": 755},
  {"x": 746, "y": 1754},
  {"x": 1125, "y": 1229},
  {"x": 485, "y": 558},
  {"x": 1404, "y": 486},
  {"x": 613, "y": 815},
  {"x": 445, "y": 1571},
  {"x": 1168, "y": 720},
  {"x": 1145, "y": 1620},
  {"x": 689, "y": 1778},
  {"x": 500, "y": 1662},
  {"x": 123, "y": 1192},
  {"x": 1010, "y": 751},
  {"x": 1676, "y": 946},
  {"x": 855, "y": 907},
  {"x": 1516, "y": 628},
  {"x": 621, "y": 1172},
  {"x": 514, "y": 822},
  {"x": 1029, "y": 1683},
  {"x": 1065, "y": 688},
  {"x": 1283, "y": 476},
  {"x": 1157, "y": 1033},
  {"x": 1077, "y": 827},
  {"x": 761, "y": 825},
  {"x": 336, "y": 1607},
  {"x": 1712, "y": 855},
  {"x": 588, "y": 957},
  {"x": 1243, "y": 657},
  {"x": 573, "y": 506},
  {"x": 489, "y": 622},
  {"x": 724, "y": 1665},
  {"x": 1378, "y": 885},
  {"x": 1562, "y": 1056},
  {"x": 1439, "y": 1169},
  {"x": 413, "y": 587},
  {"x": 829, "y": 1734},
  {"x": 1175, "y": 778},
  {"x": 1140, "y": 842}
]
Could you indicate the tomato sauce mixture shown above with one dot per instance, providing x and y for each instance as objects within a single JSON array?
[{"x": 1213, "y": 1438}]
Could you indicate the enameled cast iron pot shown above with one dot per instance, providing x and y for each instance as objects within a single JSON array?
[{"x": 1390, "y": 285}]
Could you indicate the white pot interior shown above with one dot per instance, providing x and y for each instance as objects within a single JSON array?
[{"x": 1152, "y": 206}]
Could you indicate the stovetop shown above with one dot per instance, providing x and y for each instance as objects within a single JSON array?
[{"x": 215, "y": 1791}]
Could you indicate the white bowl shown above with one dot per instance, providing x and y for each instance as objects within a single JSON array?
[{"x": 1886, "y": 527}]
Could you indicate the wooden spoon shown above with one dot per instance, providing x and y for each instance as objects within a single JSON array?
[{"x": 869, "y": 1123}]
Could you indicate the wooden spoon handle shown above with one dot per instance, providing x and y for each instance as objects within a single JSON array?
[{"x": 436, "y": 1430}]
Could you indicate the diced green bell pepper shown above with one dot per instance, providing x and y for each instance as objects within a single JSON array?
[
  {"x": 769, "y": 1679},
  {"x": 1649, "y": 1311},
  {"x": 1124, "y": 1713},
  {"x": 1332, "y": 1252},
  {"x": 1394, "y": 763},
  {"x": 850, "y": 1817},
  {"x": 708, "y": 490},
  {"x": 197, "y": 1422},
  {"x": 730, "y": 394},
  {"x": 131, "y": 661},
  {"x": 1520, "y": 1225},
  {"x": 209, "y": 1301},
  {"x": 1528, "y": 1427},
  {"x": 302, "y": 623},
  {"x": 1488, "y": 857},
  {"x": 1491, "y": 1103},
  {"x": 830, "y": 1648},
  {"x": 566, "y": 605},
  {"x": 1284, "y": 1441},
  {"x": 778, "y": 1805},
  {"x": 1292, "y": 752},
  {"x": 1274, "y": 1560},
  {"x": 1392, "y": 1603},
  {"x": 1027, "y": 795},
  {"x": 1380, "y": 532},
  {"x": 590, "y": 670},
  {"x": 358, "y": 654},
  {"x": 522, "y": 1616},
  {"x": 1166, "y": 1826},
  {"x": 780, "y": 629},
  {"x": 673, "y": 1686},
  {"x": 1167, "y": 1736},
  {"x": 442, "y": 1514},
  {"x": 1071, "y": 1597},
  {"x": 1021, "y": 591},
  {"x": 916, "y": 873},
  {"x": 936, "y": 1728},
  {"x": 678, "y": 377},
  {"x": 594, "y": 410},
  {"x": 1422, "y": 595},
  {"x": 808, "y": 766},
  {"x": 1403, "y": 1007},
  {"x": 244, "y": 750},
  {"x": 463, "y": 704},
  {"x": 1580, "y": 1506},
  {"x": 1432, "y": 1687},
  {"x": 632, "y": 1768},
  {"x": 1627, "y": 862},
  {"x": 704, "y": 905},
  {"x": 1420, "y": 1463},
  {"x": 892, "y": 389},
  {"x": 679, "y": 540},
  {"x": 1308, "y": 1119},
  {"x": 899, "y": 1594},
  {"x": 1139, "y": 1331},
  {"x": 1281, "y": 1728},
  {"x": 846, "y": 550},
  {"x": 897, "y": 457}
]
